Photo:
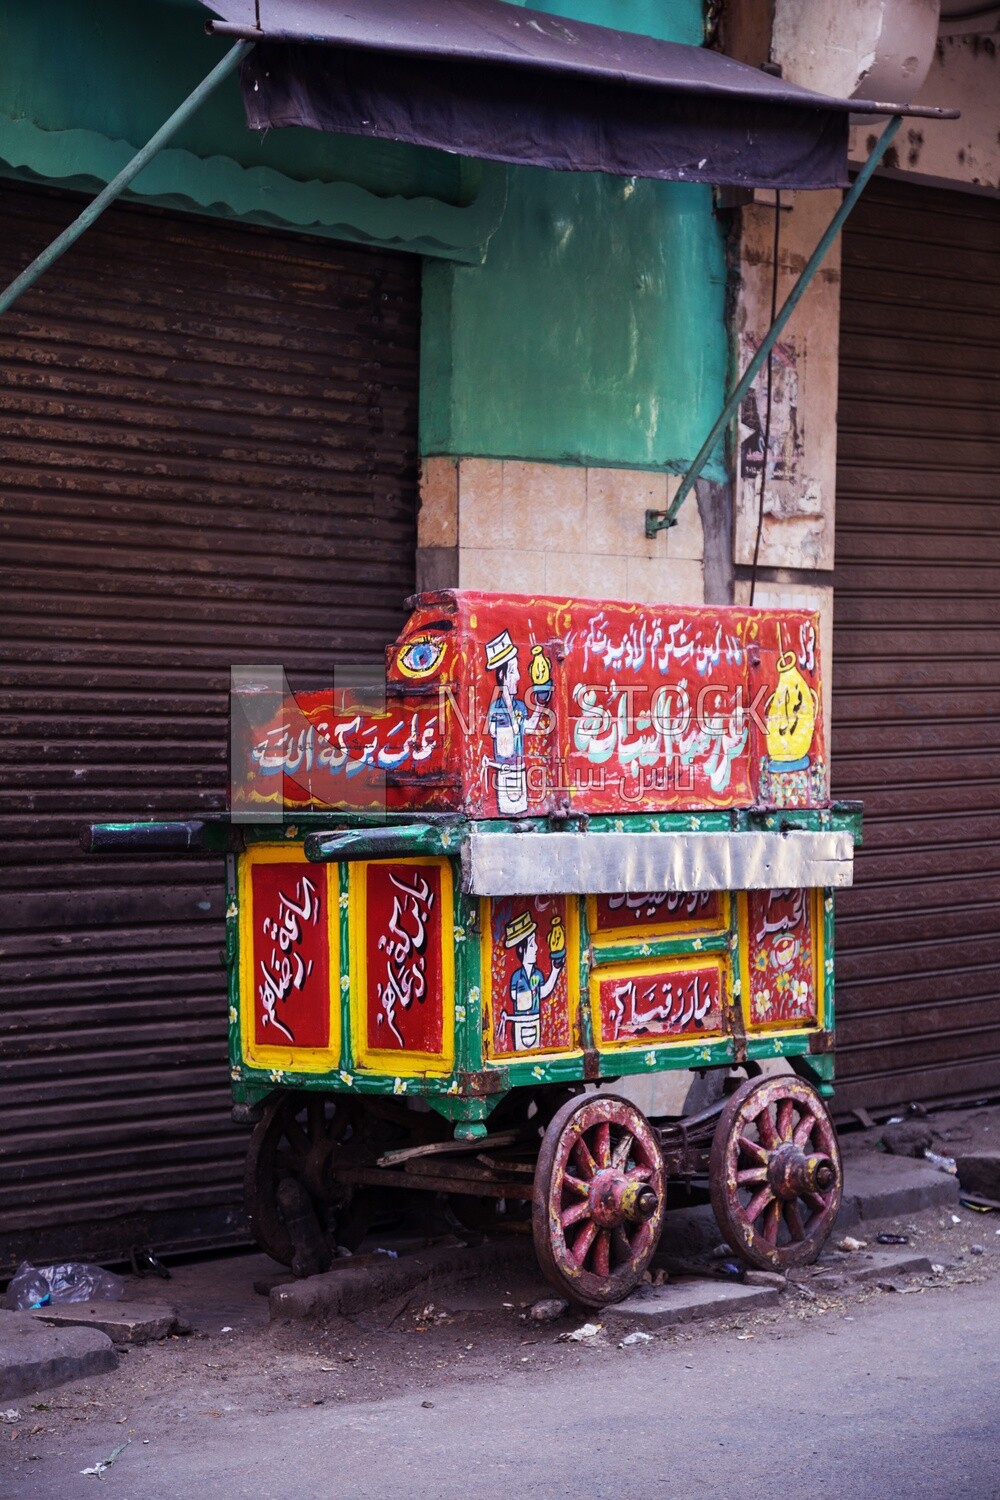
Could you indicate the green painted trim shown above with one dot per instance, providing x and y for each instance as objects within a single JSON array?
[
  {"x": 404, "y": 842},
  {"x": 468, "y": 979},
  {"x": 344, "y": 1082},
  {"x": 586, "y": 963},
  {"x": 131, "y": 170},
  {"x": 686, "y": 945},
  {"x": 829, "y": 976},
  {"x": 219, "y": 185},
  {"x": 719, "y": 1053},
  {"x": 789, "y": 1044},
  {"x": 232, "y": 955},
  {"x": 346, "y": 1030},
  {"x": 679, "y": 822}
]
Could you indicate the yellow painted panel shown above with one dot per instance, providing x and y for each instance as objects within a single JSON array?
[{"x": 662, "y": 969}]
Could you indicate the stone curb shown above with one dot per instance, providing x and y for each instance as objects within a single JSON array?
[
  {"x": 879, "y": 1186},
  {"x": 35, "y": 1356},
  {"x": 689, "y": 1301},
  {"x": 875, "y": 1264}
]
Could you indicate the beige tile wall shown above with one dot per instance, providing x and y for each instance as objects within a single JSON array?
[{"x": 544, "y": 528}]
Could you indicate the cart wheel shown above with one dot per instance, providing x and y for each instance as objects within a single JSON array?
[
  {"x": 297, "y": 1137},
  {"x": 775, "y": 1174},
  {"x": 597, "y": 1209}
]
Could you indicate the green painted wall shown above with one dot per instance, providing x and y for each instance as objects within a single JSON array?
[
  {"x": 84, "y": 83},
  {"x": 594, "y": 332}
]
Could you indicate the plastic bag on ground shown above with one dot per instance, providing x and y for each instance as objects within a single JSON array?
[{"x": 73, "y": 1281}]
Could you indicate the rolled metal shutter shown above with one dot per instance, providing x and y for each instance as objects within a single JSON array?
[
  {"x": 916, "y": 702},
  {"x": 208, "y": 452}
]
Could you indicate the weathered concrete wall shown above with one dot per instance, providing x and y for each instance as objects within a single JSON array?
[
  {"x": 593, "y": 333},
  {"x": 801, "y": 475},
  {"x": 797, "y": 551},
  {"x": 872, "y": 49},
  {"x": 965, "y": 75}
]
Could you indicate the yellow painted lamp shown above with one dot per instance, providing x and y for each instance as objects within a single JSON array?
[{"x": 791, "y": 717}]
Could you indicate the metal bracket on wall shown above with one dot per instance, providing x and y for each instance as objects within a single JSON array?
[
  {"x": 661, "y": 520},
  {"x": 118, "y": 184}
]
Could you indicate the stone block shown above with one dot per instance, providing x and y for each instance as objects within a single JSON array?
[
  {"x": 687, "y": 1301},
  {"x": 501, "y": 571},
  {"x": 880, "y": 1186},
  {"x": 480, "y": 505},
  {"x": 437, "y": 521},
  {"x": 123, "y": 1322},
  {"x": 36, "y": 1356},
  {"x": 979, "y": 1172},
  {"x": 544, "y": 507},
  {"x": 577, "y": 576}
]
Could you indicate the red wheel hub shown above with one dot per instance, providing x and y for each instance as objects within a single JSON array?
[
  {"x": 616, "y": 1199},
  {"x": 793, "y": 1174}
]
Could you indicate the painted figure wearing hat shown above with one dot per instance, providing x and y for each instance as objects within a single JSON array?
[
  {"x": 508, "y": 722},
  {"x": 528, "y": 986}
]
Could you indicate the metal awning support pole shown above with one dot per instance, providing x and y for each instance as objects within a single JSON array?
[
  {"x": 659, "y": 520},
  {"x": 118, "y": 184}
]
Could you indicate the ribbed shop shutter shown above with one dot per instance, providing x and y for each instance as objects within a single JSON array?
[
  {"x": 207, "y": 457},
  {"x": 916, "y": 705}
]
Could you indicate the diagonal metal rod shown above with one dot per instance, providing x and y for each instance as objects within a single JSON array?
[
  {"x": 118, "y": 184},
  {"x": 659, "y": 520}
]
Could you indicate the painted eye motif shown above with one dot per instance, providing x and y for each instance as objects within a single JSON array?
[{"x": 420, "y": 656}]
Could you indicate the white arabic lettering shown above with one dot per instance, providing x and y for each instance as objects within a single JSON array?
[
  {"x": 279, "y": 976},
  {"x": 404, "y": 944},
  {"x": 636, "y": 1006}
]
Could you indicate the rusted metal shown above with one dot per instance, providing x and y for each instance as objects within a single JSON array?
[
  {"x": 591, "y": 1065},
  {"x": 185, "y": 478},
  {"x": 686, "y": 1143},
  {"x": 822, "y": 1042},
  {"x": 916, "y": 713},
  {"x": 484, "y": 1082}
]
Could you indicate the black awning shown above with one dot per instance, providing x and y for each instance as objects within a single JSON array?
[{"x": 487, "y": 79}]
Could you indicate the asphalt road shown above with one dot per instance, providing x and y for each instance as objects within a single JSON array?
[{"x": 899, "y": 1404}]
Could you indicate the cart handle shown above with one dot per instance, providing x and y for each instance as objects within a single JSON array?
[
  {"x": 155, "y": 838},
  {"x": 382, "y": 843}
]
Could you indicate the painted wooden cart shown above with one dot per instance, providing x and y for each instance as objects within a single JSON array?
[{"x": 576, "y": 842}]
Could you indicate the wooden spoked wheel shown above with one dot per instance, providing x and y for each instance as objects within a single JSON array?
[
  {"x": 298, "y": 1136},
  {"x": 775, "y": 1172},
  {"x": 598, "y": 1202}
]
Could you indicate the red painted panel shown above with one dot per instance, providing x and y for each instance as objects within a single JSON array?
[
  {"x": 528, "y": 974},
  {"x": 659, "y": 909},
  {"x": 405, "y": 982},
  {"x": 782, "y": 981},
  {"x": 654, "y": 1005},
  {"x": 509, "y": 706},
  {"x": 291, "y": 956}
]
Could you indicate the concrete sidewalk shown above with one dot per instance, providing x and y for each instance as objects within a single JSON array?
[{"x": 44, "y": 1349}]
